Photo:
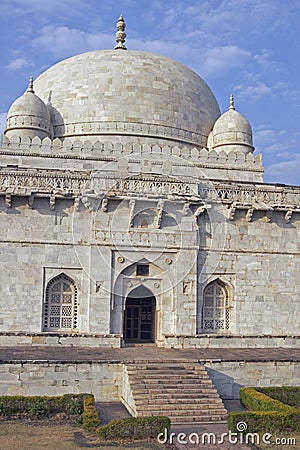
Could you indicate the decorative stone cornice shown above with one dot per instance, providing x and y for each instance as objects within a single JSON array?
[
  {"x": 264, "y": 196},
  {"x": 24, "y": 182},
  {"x": 251, "y": 197}
]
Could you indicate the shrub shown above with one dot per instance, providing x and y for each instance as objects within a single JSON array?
[
  {"x": 266, "y": 414},
  {"x": 285, "y": 394},
  {"x": 72, "y": 404},
  {"x": 135, "y": 428},
  {"x": 258, "y": 401},
  {"x": 90, "y": 419},
  {"x": 42, "y": 406}
]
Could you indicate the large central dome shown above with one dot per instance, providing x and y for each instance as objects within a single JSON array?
[{"x": 138, "y": 94}]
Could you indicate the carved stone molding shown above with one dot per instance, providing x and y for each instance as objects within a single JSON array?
[
  {"x": 159, "y": 213},
  {"x": 249, "y": 214},
  {"x": 8, "y": 200},
  {"x": 201, "y": 210},
  {"x": 288, "y": 216},
  {"x": 131, "y": 212},
  {"x": 52, "y": 202},
  {"x": 104, "y": 205}
]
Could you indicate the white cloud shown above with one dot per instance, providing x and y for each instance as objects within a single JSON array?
[
  {"x": 19, "y": 63},
  {"x": 228, "y": 21},
  {"x": 2, "y": 121},
  {"x": 265, "y": 136},
  {"x": 287, "y": 172},
  {"x": 253, "y": 92},
  {"x": 37, "y": 7},
  {"x": 269, "y": 141},
  {"x": 63, "y": 41},
  {"x": 218, "y": 59},
  {"x": 264, "y": 58}
]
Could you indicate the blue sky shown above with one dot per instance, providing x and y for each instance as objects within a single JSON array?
[{"x": 250, "y": 48}]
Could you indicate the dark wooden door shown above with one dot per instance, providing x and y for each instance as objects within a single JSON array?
[{"x": 139, "y": 319}]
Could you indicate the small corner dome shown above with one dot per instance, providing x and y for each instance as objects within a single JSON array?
[
  {"x": 231, "y": 132},
  {"x": 28, "y": 116}
]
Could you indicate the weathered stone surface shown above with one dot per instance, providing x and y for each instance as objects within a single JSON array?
[{"x": 139, "y": 172}]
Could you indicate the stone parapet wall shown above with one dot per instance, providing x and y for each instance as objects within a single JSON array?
[
  {"x": 106, "y": 379},
  {"x": 229, "y": 376},
  {"x": 106, "y": 150},
  {"x": 231, "y": 341},
  {"x": 42, "y": 339},
  {"x": 115, "y": 341}
]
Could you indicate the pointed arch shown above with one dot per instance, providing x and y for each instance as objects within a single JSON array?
[
  {"x": 61, "y": 304},
  {"x": 139, "y": 315},
  {"x": 216, "y": 307}
]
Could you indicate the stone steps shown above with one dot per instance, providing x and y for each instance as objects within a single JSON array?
[
  {"x": 182, "y": 391},
  {"x": 181, "y": 402},
  {"x": 172, "y": 376},
  {"x": 174, "y": 394}
]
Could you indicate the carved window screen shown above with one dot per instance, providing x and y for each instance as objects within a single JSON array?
[
  {"x": 216, "y": 310},
  {"x": 60, "y": 308}
]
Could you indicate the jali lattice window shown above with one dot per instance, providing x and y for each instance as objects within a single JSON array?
[
  {"x": 216, "y": 308},
  {"x": 60, "y": 309}
]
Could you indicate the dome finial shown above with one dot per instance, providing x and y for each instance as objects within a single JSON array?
[
  {"x": 120, "y": 34},
  {"x": 30, "y": 86},
  {"x": 231, "y": 103}
]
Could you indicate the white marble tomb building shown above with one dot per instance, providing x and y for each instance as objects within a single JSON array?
[{"x": 132, "y": 210}]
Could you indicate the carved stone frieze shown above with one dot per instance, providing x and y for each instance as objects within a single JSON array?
[
  {"x": 153, "y": 186},
  {"x": 145, "y": 239},
  {"x": 266, "y": 197},
  {"x": 43, "y": 181},
  {"x": 77, "y": 184}
]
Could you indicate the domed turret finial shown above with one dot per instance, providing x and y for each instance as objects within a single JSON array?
[
  {"x": 120, "y": 34},
  {"x": 30, "y": 86},
  {"x": 231, "y": 106}
]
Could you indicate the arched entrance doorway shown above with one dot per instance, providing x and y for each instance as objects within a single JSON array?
[{"x": 139, "y": 316}]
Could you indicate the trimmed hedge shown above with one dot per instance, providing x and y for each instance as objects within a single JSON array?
[
  {"x": 90, "y": 418},
  {"x": 42, "y": 406},
  {"x": 254, "y": 400},
  {"x": 266, "y": 414},
  {"x": 264, "y": 421},
  {"x": 135, "y": 428},
  {"x": 285, "y": 394}
]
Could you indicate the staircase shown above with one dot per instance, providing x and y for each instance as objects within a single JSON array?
[{"x": 182, "y": 391}]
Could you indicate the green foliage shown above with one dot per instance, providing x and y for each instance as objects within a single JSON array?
[
  {"x": 90, "y": 419},
  {"x": 285, "y": 394},
  {"x": 42, "y": 406},
  {"x": 258, "y": 401},
  {"x": 266, "y": 414},
  {"x": 72, "y": 404},
  {"x": 265, "y": 421},
  {"x": 135, "y": 428}
]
